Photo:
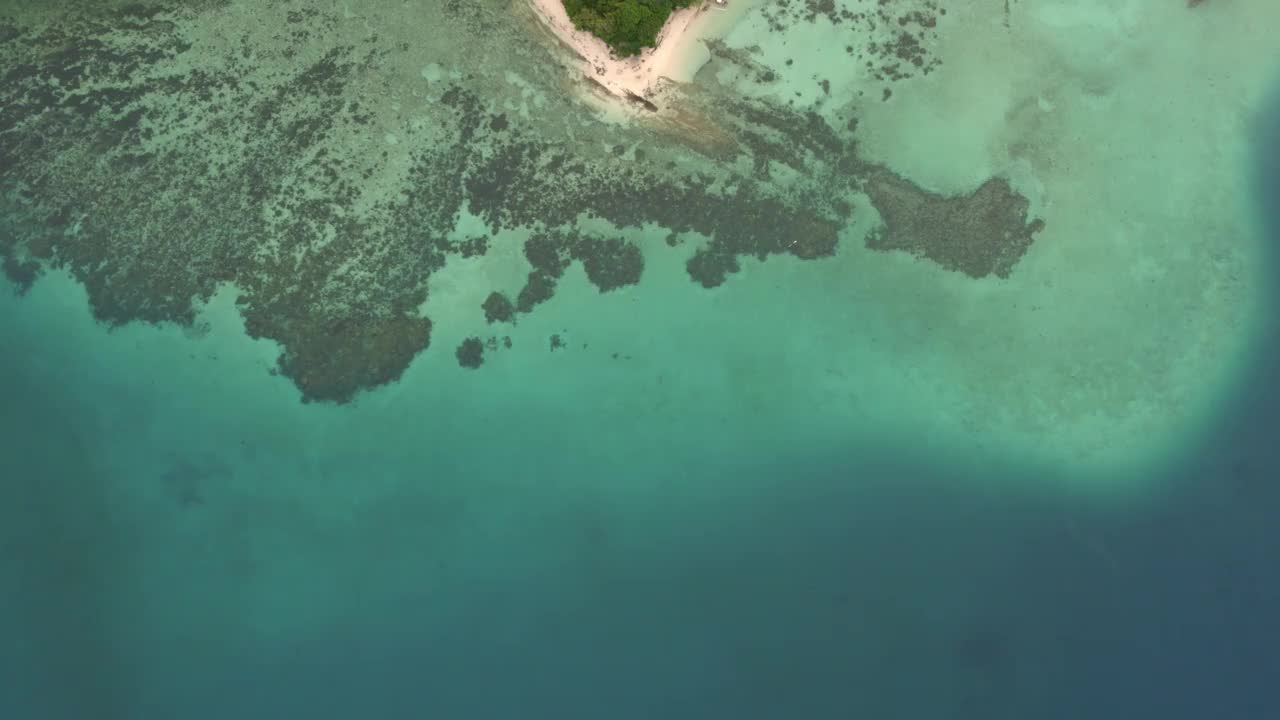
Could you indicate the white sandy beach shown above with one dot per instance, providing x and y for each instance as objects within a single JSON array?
[{"x": 678, "y": 54}]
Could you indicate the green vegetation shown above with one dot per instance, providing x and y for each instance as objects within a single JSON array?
[{"x": 626, "y": 26}]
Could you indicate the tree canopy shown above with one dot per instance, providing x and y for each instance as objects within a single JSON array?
[{"x": 626, "y": 26}]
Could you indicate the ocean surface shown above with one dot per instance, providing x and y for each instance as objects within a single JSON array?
[{"x": 865, "y": 484}]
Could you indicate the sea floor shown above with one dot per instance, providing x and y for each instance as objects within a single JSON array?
[{"x": 865, "y": 484}]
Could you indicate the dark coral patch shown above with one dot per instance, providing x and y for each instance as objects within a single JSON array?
[
  {"x": 538, "y": 288},
  {"x": 610, "y": 264},
  {"x": 710, "y": 266},
  {"x": 333, "y": 360},
  {"x": 470, "y": 353},
  {"x": 982, "y": 233},
  {"x": 473, "y": 247},
  {"x": 22, "y": 274},
  {"x": 548, "y": 253},
  {"x": 498, "y": 308}
]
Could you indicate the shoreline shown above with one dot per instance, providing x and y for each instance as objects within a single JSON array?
[{"x": 635, "y": 79}]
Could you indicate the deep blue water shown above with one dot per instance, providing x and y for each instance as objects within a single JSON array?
[{"x": 907, "y": 598}]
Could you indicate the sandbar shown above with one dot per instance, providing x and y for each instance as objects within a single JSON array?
[{"x": 677, "y": 55}]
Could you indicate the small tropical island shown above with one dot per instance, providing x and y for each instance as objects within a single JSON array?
[
  {"x": 626, "y": 26},
  {"x": 628, "y": 48}
]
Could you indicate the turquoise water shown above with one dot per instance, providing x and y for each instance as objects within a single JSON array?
[
  {"x": 183, "y": 539},
  {"x": 864, "y": 485}
]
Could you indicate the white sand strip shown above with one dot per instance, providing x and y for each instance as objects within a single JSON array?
[{"x": 675, "y": 57}]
